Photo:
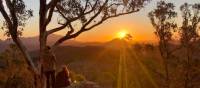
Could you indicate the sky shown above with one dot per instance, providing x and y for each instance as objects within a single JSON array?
[{"x": 137, "y": 24}]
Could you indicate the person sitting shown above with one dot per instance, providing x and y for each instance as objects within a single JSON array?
[{"x": 62, "y": 78}]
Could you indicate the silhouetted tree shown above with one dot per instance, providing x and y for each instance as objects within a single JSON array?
[
  {"x": 162, "y": 19},
  {"x": 16, "y": 73},
  {"x": 15, "y": 15},
  {"x": 189, "y": 35}
]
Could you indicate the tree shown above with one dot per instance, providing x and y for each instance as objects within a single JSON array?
[
  {"x": 87, "y": 13},
  {"x": 16, "y": 72},
  {"x": 15, "y": 15},
  {"x": 189, "y": 36},
  {"x": 162, "y": 19}
]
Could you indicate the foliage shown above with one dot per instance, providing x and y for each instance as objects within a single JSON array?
[
  {"x": 188, "y": 37},
  {"x": 18, "y": 82},
  {"x": 191, "y": 20},
  {"x": 162, "y": 19},
  {"x": 178, "y": 58},
  {"x": 17, "y": 8},
  {"x": 16, "y": 72}
]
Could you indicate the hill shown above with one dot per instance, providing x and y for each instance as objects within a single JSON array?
[
  {"x": 33, "y": 42},
  {"x": 90, "y": 61}
]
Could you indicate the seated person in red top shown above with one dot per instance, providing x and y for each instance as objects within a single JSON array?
[{"x": 62, "y": 78}]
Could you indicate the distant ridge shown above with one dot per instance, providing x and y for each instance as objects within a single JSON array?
[{"x": 33, "y": 42}]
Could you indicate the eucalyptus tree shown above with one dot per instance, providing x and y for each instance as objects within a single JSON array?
[
  {"x": 189, "y": 37},
  {"x": 15, "y": 14},
  {"x": 162, "y": 19}
]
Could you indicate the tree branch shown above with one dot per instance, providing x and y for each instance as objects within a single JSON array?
[
  {"x": 51, "y": 6},
  {"x": 83, "y": 29},
  {"x": 97, "y": 11},
  {"x": 71, "y": 20},
  {"x": 13, "y": 30},
  {"x": 104, "y": 19},
  {"x": 5, "y": 15}
]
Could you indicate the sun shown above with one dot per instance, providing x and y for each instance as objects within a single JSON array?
[{"x": 122, "y": 34}]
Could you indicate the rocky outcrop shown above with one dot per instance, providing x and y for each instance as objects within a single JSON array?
[{"x": 84, "y": 84}]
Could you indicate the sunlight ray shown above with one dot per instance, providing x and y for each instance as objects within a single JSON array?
[
  {"x": 144, "y": 69},
  {"x": 122, "y": 74}
]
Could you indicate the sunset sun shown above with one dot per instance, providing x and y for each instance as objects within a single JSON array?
[{"x": 122, "y": 34}]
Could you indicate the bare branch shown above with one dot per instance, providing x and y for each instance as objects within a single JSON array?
[
  {"x": 5, "y": 15},
  {"x": 103, "y": 10},
  {"x": 12, "y": 11},
  {"x": 71, "y": 20},
  {"x": 51, "y": 6},
  {"x": 82, "y": 29},
  {"x": 92, "y": 18},
  {"x": 104, "y": 19}
]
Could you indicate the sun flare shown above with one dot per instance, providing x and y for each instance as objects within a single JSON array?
[{"x": 122, "y": 34}]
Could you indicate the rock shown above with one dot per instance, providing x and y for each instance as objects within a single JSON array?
[{"x": 84, "y": 84}]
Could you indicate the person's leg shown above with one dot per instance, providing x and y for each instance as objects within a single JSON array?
[
  {"x": 47, "y": 74},
  {"x": 53, "y": 79}
]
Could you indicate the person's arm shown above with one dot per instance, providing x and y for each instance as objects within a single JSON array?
[
  {"x": 54, "y": 57},
  {"x": 70, "y": 80}
]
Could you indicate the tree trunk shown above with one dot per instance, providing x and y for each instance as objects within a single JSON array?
[
  {"x": 30, "y": 62},
  {"x": 36, "y": 70},
  {"x": 42, "y": 36},
  {"x": 167, "y": 72},
  {"x": 41, "y": 55},
  {"x": 187, "y": 76},
  {"x": 165, "y": 56},
  {"x": 26, "y": 55}
]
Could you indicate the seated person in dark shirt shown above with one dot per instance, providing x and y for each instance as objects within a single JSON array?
[{"x": 62, "y": 78}]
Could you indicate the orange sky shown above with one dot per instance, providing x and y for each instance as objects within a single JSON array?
[{"x": 136, "y": 24}]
